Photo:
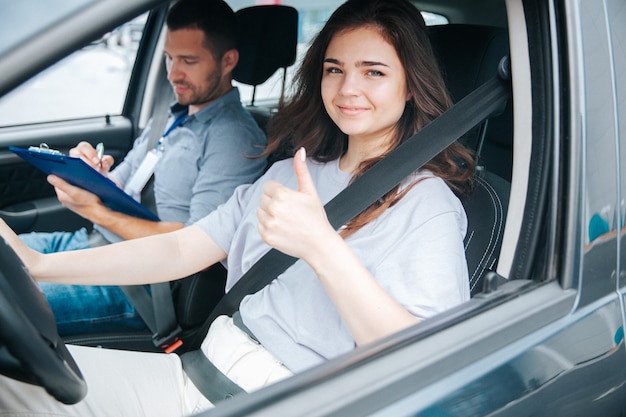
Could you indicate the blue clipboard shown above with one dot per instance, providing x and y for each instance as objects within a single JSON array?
[{"x": 77, "y": 172}]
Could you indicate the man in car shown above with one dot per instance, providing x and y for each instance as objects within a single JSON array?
[{"x": 204, "y": 153}]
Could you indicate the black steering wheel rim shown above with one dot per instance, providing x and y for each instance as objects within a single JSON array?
[{"x": 31, "y": 349}]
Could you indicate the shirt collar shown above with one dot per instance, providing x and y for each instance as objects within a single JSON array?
[{"x": 206, "y": 113}]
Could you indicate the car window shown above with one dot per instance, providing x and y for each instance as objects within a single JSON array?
[{"x": 90, "y": 82}]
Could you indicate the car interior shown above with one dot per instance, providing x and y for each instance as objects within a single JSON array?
[{"x": 469, "y": 56}]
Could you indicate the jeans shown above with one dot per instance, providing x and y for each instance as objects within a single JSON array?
[{"x": 82, "y": 309}]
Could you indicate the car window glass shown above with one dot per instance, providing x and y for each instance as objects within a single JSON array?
[{"x": 90, "y": 82}]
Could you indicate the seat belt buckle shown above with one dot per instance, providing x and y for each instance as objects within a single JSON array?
[{"x": 170, "y": 342}]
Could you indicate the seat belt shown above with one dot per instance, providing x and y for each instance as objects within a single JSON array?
[
  {"x": 488, "y": 99},
  {"x": 157, "y": 307}
]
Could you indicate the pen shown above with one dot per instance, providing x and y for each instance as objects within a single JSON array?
[{"x": 100, "y": 152}]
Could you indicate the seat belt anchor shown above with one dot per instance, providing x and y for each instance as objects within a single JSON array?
[{"x": 170, "y": 342}]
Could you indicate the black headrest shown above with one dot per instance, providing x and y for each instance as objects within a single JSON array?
[{"x": 268, "y": 38}]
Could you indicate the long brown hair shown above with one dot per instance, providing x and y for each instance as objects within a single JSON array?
[{"x": 303, "y": 122}]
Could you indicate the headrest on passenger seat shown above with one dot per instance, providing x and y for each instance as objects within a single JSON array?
[{"x": 268, "y": 37}]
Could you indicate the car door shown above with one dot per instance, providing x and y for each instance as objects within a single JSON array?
[
  {"x": 549, "y": 341},
  {"x": 96, "y": 94}
]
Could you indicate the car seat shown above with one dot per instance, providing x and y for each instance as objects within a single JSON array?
[
  {"x": 469, "y": 55},
  {"x": 486, "y": 211},
  {"x": 267, "y": 42}
]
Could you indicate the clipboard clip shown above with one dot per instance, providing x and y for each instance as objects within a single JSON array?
[{"x": 44, "y": 148}]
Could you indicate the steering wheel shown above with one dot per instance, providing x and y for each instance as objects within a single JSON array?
[{"x": 31, "y": 349}]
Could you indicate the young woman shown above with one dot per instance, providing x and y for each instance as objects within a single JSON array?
[{"x": 368, "y": 82}]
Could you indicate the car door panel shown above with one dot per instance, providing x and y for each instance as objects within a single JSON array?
[
  {"x": 600, "y": 140},
  {"x": 617, "y": 13},
  {"x": 545, "y": 379},
  {"x": 520, "y": 358},
  {"x": 27, "y": 201},
  {"x": 427, "y": 367}
]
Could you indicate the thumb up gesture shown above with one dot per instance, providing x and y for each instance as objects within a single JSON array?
[{"x": 293, "y": 221}]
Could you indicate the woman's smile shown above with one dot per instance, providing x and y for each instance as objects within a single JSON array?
[{"x": 351, "y": 110}]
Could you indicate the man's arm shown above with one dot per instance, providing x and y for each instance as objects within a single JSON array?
[{"x": 89, "y": 206}]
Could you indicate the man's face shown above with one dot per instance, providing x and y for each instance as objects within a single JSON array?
[{"x": 195, "y": 75}]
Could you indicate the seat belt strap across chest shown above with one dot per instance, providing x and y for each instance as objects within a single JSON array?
[{"x": 157, "y": 307}]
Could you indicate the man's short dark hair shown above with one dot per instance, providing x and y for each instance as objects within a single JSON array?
[{"x": 214, "y": 17}]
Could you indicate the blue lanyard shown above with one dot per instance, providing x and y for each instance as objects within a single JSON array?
[{"x": 179, "y": 120}]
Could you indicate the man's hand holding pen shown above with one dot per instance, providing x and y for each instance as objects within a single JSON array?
[{"x": 93, "y": 156}]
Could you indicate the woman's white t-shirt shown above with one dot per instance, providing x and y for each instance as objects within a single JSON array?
[{"x": 414, "y": 250}]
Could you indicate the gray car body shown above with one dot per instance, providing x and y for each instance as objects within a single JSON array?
[{"x": 550, "y": 341}]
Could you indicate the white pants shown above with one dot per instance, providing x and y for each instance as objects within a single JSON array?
[{"x": 124, "y": 383}]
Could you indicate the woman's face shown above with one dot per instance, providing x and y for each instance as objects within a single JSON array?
[{"x": 364, "y": 87}]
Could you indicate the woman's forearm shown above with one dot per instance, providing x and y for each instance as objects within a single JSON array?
[
  {"x": 28, "y": 256},
  {"x": 153, "y": 259}
]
